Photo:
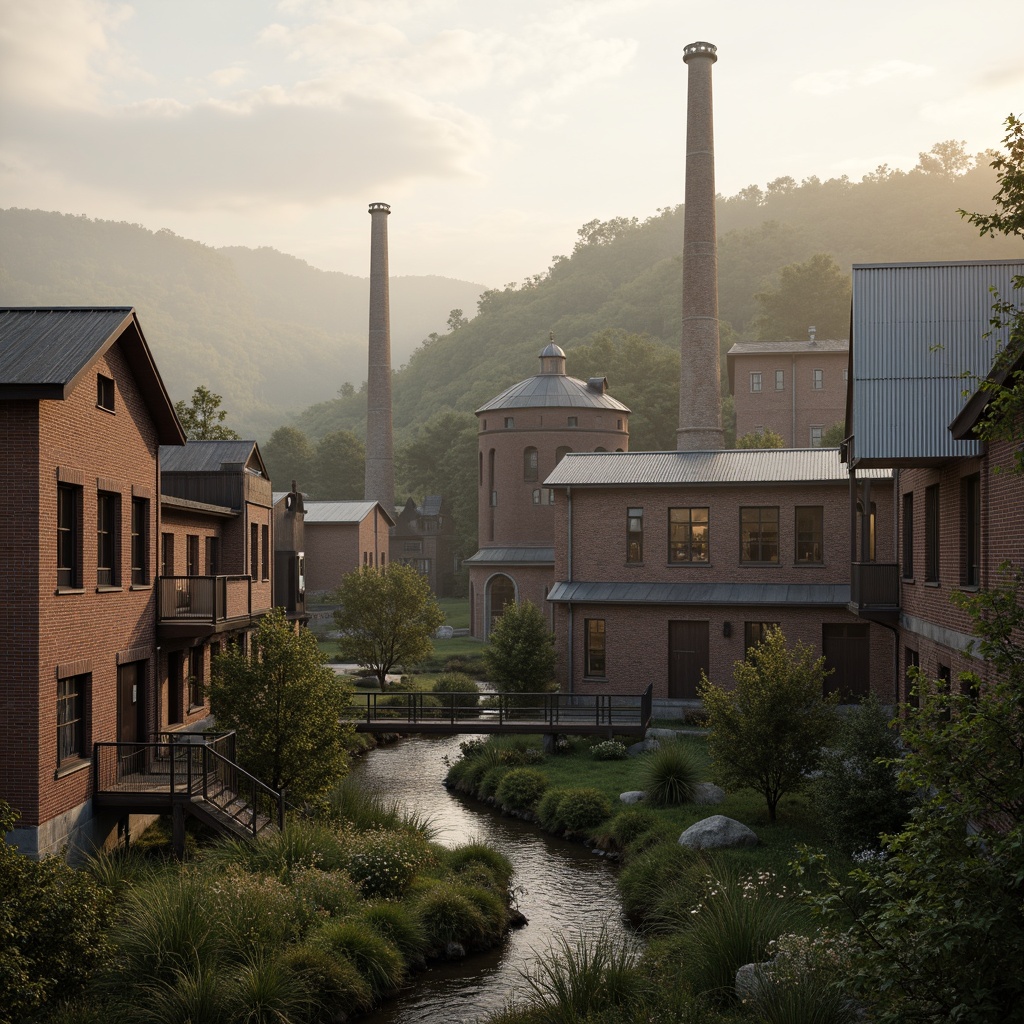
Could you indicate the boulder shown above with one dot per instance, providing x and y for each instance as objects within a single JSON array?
[
  {"x": 643, "y": 747},
  {"x": 708, "y": 793},
  {"x": 662, "y": 734},
  {"x": 634, "y": 796},
  {"x": 717, "y": 832},
  {"x": 752, "y": 981}
]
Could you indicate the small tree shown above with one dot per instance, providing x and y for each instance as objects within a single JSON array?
[
  {"x": 521, "y": 655},
  {"x": 834, "y": 436},
  {"x": 768, "y": 732},
  {"x": 203, "y": 418},
  {"x": 387, "y": 617},
  {"x": 767, "y": 438},
  {"x": 285, "y": 705}
]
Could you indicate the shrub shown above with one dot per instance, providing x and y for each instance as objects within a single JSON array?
[
  {"x": 609, "y": 750},
  {"x": 548, "y": 809},
  {"x": 584, "y": 808},
  {"x": 671, "y": 774},
  {"x": 857, "y": 794},
  {"x": 320, "y": 894},
  {"x": 377, "y": 960},
  {"x": 397, "y": 705},
  {"x": 647, "y": 876},
  {"x": 257, "y": 913},
  {"x": 466, "y": 690},
  {"x": 332, "y": 981},
  {"x": 497, "y": 864},
  {"x": 630, "y": 823},
  {"x": 448, "y": 915},
  {"x": 521, "y": 788},
  {"x": 521, "y": 653},
  {"x": 399, "y": 924},
  {"x": 383, "y": 862},
  {"x": 491, "y": 781},
  {"x": 301, "y": 843}
]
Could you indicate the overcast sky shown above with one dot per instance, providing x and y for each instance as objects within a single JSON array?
[{"x": 493, "y": 128}]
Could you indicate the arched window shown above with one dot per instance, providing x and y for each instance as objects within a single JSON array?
[
  {"x": 530, "y": 465},
  {"x": 500, "y": 592},
  {"x": 599, "y": 449},
  {"x": 559, "y": 452}
]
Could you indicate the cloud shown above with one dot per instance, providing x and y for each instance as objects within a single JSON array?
[{"x": 839, "y": 80}]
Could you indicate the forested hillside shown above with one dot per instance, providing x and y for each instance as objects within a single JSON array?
[{"x": 267, "y": 331}]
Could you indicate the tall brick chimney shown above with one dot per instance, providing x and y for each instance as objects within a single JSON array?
[
  {"x": 700, "y": 379},
  {"x": 380, "y": 449}
]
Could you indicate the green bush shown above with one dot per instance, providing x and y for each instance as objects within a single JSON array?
[
  {"x": 630, "y": 823},
  {"x": 521, "y": 788},
  {"x": 671, "y": 774},
  {"x": 448, "y": 915},
  {"x": 582, "y": 809},
  {"x": 609, "y": 750},
  {"x": 382, "y": 862},
  {"x": 256, "y": 913},
  {"x": 399, "y": 924},
  {"x": 397, "y": 705},
  {"x": 468, "y": 693},
  {"x": 498, "y": 866},
  {"x": 319, "y": 894},
  {"x": 491, "y": 781},
  {"x": 332, "y": 982},
  {"x": 645, "y": 877},
  {"x": 376, "y": 959},
  {"x": 548, "y": 809}
]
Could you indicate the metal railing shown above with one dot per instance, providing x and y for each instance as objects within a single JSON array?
[
  {"x": 207, "y": 599},
  {"x": 875, "y": 584}
]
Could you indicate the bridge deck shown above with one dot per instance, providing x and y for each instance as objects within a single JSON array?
[{"x": 551, "y": 713}]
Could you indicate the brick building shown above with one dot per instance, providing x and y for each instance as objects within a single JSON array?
[
  {"x": 917, "y": 329},
  {"x": 672, "y": 563},
  {"x": 523, "y": 434},
  {"x": 341, "y": 536},
  {"x": 797, "y": 389},
  {"x": 422, "y": 537},
  {"x": 84, "y": 412}
]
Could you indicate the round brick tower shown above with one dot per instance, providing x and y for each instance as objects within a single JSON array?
[
  {"x": 380, "y": 449},
  {"x": 523, "y": 432},
  {"x": 700, "y": 380}
]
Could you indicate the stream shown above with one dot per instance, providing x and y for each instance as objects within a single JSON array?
[{"x": 562, "y": 888}]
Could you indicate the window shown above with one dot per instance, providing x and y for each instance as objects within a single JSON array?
[
  {"x": 816, "y": 433},
  {"x": 817, "y": 379},
  {"x": 573, "y": 421},
  {"x": 780, "y": 380},
  {"x": 494, "y": 499},
  {"x": 595, "y": 647},
  {"x": 754, "y": 633},
  {"x": 107, "y": 539},
  {"x": 908, "y": 536},
  {"x": 509, "y": 422},
  {"x": 166, "y": 554},
  {"x": 195, "y": 677},
  {"x": 412, "y": 547},
  {"x": 192, "y": 555},
  {"x": 69, "y": 536},
  {"x": 254, "y": 550},
  {"x": 104, "y": 392},
  {"x": 866, "y": 531},
  {"x": 931, "y": 534},
  {"x": 530, "y": 465},
  {"x": 635, "y": 535},
  {"x": 551, "y": 495},
  {"x": 536, "y": 495},
  {"x": 810, "y": 532},
  {"x": 688, "y": 534},
  {"x": 140, "y": 545},
  {"x": 212, "y": 556},
  {"x": 755, "y": 382},
  {"x": 971, "y": 521},
  {"x": 618, "y": 424},
  {"x": 759, "y": 534},
  {"x": 846, "y": 375},
  {"x": 71, "y": 718},
  {"x": 265, "y": 544}
]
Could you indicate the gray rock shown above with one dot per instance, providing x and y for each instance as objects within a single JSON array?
[
  {"x": 454, "y": 951},
  {"x": 642, "y": 747},
  {"x": 634, "y": 796},
  {"x": 717, "y": 832},
  {"x": 708, "y": 793},
  {"x": 662, "y": 734},
  {"x": 752, "y": 981}
]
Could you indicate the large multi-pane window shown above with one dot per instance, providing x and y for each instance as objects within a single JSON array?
[
  {"x": 908, "y": 535},
  {"x": 810, "y": 532},
  {"x": 595, "y": 647},
  {"x": 755, "y": 381},
  {"x": 972, "y": 531},
  {"x": 688, "y": 534},
  {"x": 107, "y": 540},
  {"x": 69, "y": 536},
  {"x": 71, "y": 718},
  {"x": 530, "y": 464},
  {"x": 140, "y": 541},
  {"x": 817, "y": 379},
  {"x": 931, "y": 534},
  {"x": 759, "y": 533},
  {"x": 635, "y": 535},
  {"x": 780, "y": 380}
]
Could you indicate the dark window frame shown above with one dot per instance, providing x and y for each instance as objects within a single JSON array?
[
  {"x": 681, "y": 528},
  {"x": 196, "y": 697},
  {"x": 634, "y": 535},
  {"x": 69, "y": 536},
  {"x": 908, "y": 536},
  {"x": 595, "y": 648},
  {"x": 71, "y": 718},
  {"x": 108, "y": 539},
  {"x": 932, "y": 534},
  {"x": 192, "y": 565},
  {"x": 754, "y": 633},
  {"x": 265, "y": 550},
  {"x": 140, "y": 542},
  {"x": 105, "y": 393},
  {"x": 812, "y": 538},
  {"x": 756, "y": 545},
  {"x": 254, "y": 551},
  {"x": 971, "y": 531},
  {"x": 166, "y": 554},
  {"x": 531, "y": 465}
]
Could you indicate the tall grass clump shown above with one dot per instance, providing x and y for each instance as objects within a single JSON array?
[
  {"x": 301, "y": 843},
  {"x": 332, "y": 982},
  {"x": 362, "y": 809},
  {"x": 377, "y": 960},
  {"x": 257, "y": 914},
  {"x": 521, "y": 788},
  {"x": 646, "y": 878},
  {"x": 631, "y": 823},
  {"x": 671, "y": 774},
  {"x": 400, "y": 925},
  {"x": 197, "y": 993},
  {"x": 118, "y": 870},
  {"x": 449, "y": 915},
  {"x": 267, "y": 992},
  {"x": 322, "y": 894},
  {"x": 497, "y": 865}
]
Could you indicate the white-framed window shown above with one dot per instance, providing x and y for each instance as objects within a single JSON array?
[
  {"x": 509, "y": 422},
  {"x": 780, "y": 380},
  {"x": 755, "y": 381},
  {"x": 817, "y": 379},
  {"x": 816, "y": 437}
]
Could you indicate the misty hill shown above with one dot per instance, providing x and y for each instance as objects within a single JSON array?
[
  {"x": 625, "y": 276},
  {"x": 267, "y": 331}
]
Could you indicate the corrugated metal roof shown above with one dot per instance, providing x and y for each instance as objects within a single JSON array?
[
  {"x": 552, "y": 390},
  {"x": 918, "y": 328},
  {"x": 731, "y": 466},
  {"x": 805, "y": 595},
  {"x": 49, "y": 346},
  {"x": 744, "y": 348},
  {"x": 513, "y": 556},
  {"x": 342, "y": 511},
  {"x": 205, "y": 456}
]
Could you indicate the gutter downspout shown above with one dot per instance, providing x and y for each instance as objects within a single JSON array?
[
  {"x": 792, "y": 388},
  {"x": 572, "y": 635}
]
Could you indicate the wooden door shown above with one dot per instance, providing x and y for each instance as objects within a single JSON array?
[
  {"x": 687, "y": 657},
  {"x": 131, "y": 718}
]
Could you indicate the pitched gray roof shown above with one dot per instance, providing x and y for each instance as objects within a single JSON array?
[
  {"x": 732, "y": 466},
  {"x": 552, "y": 391},
  {"x": 744, "y": 348},
  {"x": 918, "y": 328},
  {"x": 802, "y": 594},
  {"x": 513, "y": 556},
  {"x": 342, "y": 511},
  {"x": 205, "y": 456}
]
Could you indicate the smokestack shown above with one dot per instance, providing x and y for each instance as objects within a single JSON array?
[
  {"x": 700, "y": 379},
  {"x": 380, "y": 450}
]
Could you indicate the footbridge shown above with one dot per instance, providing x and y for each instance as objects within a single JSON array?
[{"x": 603, "y": 714}]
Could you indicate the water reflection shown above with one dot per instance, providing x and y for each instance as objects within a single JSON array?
[{"x": 562, "y": 888}]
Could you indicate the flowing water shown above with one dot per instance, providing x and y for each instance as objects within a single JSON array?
[{"x": 562, "y": 888}]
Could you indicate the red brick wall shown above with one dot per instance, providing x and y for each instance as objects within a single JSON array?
[
  {"x": 532, "y": 583},
  {"x": 334, "y": 549}
]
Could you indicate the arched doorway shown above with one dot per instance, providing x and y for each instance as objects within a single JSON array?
[{"x": 501, "y": 590}]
